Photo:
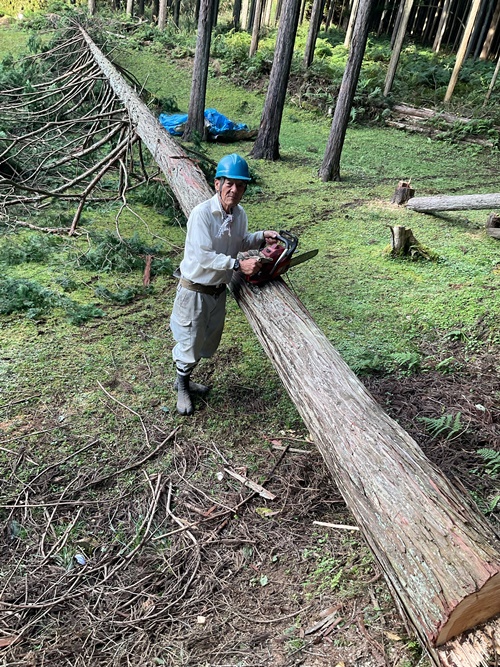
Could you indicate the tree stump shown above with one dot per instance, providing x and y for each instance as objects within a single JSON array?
[
  {"x": 404, "y": 244},
  {"x": 403, "y": 193},
  {"x": 493, "y": 225}
]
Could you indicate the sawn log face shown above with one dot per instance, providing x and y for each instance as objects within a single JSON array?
[{"x": 440, "y": 557}]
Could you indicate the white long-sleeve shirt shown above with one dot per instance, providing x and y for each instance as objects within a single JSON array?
[{"x": 208, "y": 258}]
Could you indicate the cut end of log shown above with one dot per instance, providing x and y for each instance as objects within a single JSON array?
[{"x": 472, "y": 611}]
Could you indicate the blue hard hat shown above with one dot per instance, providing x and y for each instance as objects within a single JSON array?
[{"x": 233, "y": 166}]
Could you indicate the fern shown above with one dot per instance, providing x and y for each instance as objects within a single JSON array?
[
  {"x": 492, "y": 461},
  {"x": 445, "y": 426}
]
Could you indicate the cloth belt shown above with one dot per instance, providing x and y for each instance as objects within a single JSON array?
[{"x": 213, "y": 290}]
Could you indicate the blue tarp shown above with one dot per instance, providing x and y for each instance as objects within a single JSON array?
[{"x": 217, "y": 123}]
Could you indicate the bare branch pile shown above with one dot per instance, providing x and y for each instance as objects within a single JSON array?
[{"x": 64, "y": 129}]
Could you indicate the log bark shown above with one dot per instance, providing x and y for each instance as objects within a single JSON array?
[
  {"x": 440, "y": 558},
  {"x": 185, "y": 178},
  {"x": 454, "y": 203}
]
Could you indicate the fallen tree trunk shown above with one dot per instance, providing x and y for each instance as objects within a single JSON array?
[
  {"x": 436, "y": 134},
  {"x": 186, "y": 179},
  {"x": 440, "y": 558},
  {"x": 454, "y": 203}
]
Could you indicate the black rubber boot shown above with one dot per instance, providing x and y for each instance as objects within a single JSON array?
[
  {"x": 194, "y": 388},
  {"x": 184, "y": 402}
]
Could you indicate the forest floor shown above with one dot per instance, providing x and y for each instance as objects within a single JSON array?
[{"x": 126, "y": 540}]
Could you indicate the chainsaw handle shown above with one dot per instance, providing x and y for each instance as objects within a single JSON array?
[{"x": 289, "y": 240}]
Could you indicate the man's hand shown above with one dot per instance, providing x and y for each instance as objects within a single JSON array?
[
  {"x": 250, "y": 266},
  {"x": 270, "y": 236}
]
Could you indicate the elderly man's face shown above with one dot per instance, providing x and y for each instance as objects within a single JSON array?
[{"x": 231, "y": 191}]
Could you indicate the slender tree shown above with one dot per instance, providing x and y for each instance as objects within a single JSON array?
[
  {"x": 491, "y": 32},
  {"x": 256, "y": 28},
  {"x": 443, "y": 20},
  {"x": 398, "y": 43},
  {"x": 312, "y": 35},
  {"x": 463, "y": 48},
  {"x": 330, "y": 169},
  {"x": 352, "y": 21},
  {"x": 162, "y": 14},
  {"x": 91, "y": 7},
  {"x": 196, "y": 112},
  {"x": 266, "y": 145},
  {"x": 236, "y": 14}
]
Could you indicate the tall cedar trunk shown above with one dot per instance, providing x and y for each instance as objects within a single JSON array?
[
  {"x": 440, "y": 557},
  {"x": 432, "y": 26},
  {"x": 186, "y": 180},
  {"x": 330, "y": 6},
  {"x": 491, "y": 32},
  {"x": 479, "y": 23},
  {"x": 454, "y": 203},
  {"x": 330, "y": 168},
  {"x": 443, "y": 20},
  {"x": 398, "y": 43},
  {"x": 254, "y": 43},
  {"x": 91, "y": 7},
  {"x": 140, "y": 8},
  {"x": 266, "y": 145},
  {"x": 236, "y": 14},
  {"x": 195, "y": 123},
  {"x": 476, "y": 4},
  {"x": 484, "y": 29},
  {"x": 312, "y": 35},
  {"x": 130, "y": 7},
  {"x": 162, "y": 14},
  {"x": 397, "y": 22},
  {"x": 363, "y": 440},
  {"x": 352, "y": 23}
]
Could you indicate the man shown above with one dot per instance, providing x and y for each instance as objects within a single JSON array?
[{"x": 217, "y": 230}]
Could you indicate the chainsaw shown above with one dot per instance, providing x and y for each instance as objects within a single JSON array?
[{"x": 277, "y": 258}]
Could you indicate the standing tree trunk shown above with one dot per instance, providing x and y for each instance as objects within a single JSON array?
[
  {"x": 236, "y": 14},
  {"x": 463, "y": 48},
  {"x": 162, "y": 14},
  {"x": 443, "y": 20},
  {"x": 330, "y": 169},
  {"x": 130, "y": 7},
  {"x": 266, "y": 145},
  {"x": 176, "y": 12},
  {"x": 396, "y": 51},
  {"x": 352, "y": 21},
  {"x": 312, "y": 35},
  {"x": 196, "y": 111},
  {"x": 91, "y": 7},
  {"x": 255, "y": 28},
  {"x": 491, "y": 32},
  {"x": 493, "y": 81},
  {"x": 484, "y": 29}
]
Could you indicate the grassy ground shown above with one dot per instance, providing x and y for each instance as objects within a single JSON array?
[{"x": 100, "y": 473}]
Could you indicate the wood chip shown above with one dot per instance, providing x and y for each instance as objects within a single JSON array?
[{"x": 251, "y": 485}]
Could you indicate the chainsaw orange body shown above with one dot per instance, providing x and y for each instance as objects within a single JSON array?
[{"x": 280, "y": 254}]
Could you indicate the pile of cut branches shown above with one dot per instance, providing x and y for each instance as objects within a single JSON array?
[{"x": 63, "y": 133}]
